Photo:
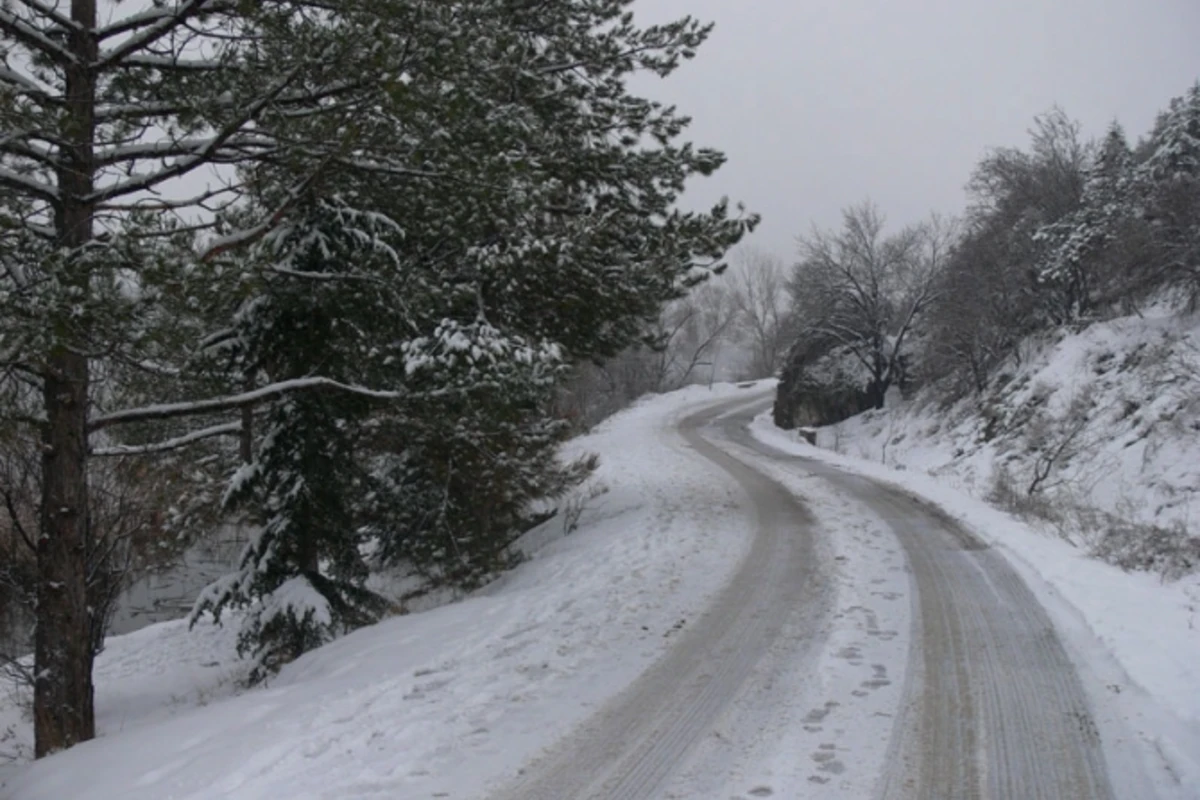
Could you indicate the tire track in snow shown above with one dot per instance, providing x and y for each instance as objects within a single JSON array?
[
  {"x": 630, "y": 747},
  {"x": 993, "y": 707}
]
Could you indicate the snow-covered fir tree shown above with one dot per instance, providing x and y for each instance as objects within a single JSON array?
[
  {"x": 158, "y": 157},
  {"x": 548, "y": 236},
  {"x": 1073, "y": 261},
  {"x": 1169, "y": 186}
]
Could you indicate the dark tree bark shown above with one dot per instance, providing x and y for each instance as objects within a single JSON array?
[{"x": 63, "y": 694}]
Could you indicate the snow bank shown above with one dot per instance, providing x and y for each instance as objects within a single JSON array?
[{"x": 441, "y": 703}]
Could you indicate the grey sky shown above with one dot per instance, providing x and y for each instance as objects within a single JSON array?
[{"x": 822, "y": 103}]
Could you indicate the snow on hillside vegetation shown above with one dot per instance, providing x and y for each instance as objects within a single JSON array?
[
  {"x": 1095, "y": 436},
  {"x": 441, "y": 703}
]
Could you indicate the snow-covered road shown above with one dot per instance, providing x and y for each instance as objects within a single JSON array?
[
  {"x": 633, "y": 746},
  {"x": 992, "y": 706},
  {"x": 737, "y": 616},
  {"x": 989, "y": 705}
]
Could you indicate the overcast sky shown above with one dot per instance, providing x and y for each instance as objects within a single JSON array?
[{"x": 822, "y": 103}]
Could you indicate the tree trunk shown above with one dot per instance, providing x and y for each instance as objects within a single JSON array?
[
  {"x": 62, "y": 699},
  {"x": 63, "y": 712}
]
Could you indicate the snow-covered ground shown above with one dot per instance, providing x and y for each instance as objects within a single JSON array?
[
  {"x": 1134, "y": 639},
  {"x": 452, "y": 701},
  {"x": 441, "y": 703}
]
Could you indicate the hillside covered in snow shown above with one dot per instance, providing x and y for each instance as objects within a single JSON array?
[{"x": 1094, "y": 435}]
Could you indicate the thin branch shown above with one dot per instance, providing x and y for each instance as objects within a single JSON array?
[
  {"x": 33, "y": 38},
  {"x": 225, "y": 429},
  {"x": 230, "y": 402},
  {"x": 16, "y": 521}
]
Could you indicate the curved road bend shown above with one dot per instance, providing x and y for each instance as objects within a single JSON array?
[
  {"x": 992, "y": 708},
  {"x": 632, "y": 745}
]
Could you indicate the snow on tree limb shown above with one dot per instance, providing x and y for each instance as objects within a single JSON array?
[
  {"x": 203, "y": 156},
  {"x": 256, "y": 232},
  {"x": 27, "y": 86},
  {"x": 23, "y": 184},
  {"x": 153, "y": 16},
  {"x": 158, "y": 28},
  {"x": 52, "y": 13},
  {"x": 225, "y": 429},
  {"x": 33, "y": 38},
  {"x": 233, "y": 401}
]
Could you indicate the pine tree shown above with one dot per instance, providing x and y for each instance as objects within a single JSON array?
[
  {"x": 541, "y": 232},
  {"x": 501, "y": 160},
  {"x": 1074, "y": 246},
  {"x": 1168, "y": 184}
]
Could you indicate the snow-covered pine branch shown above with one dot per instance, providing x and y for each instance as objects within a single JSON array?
[
  {"x": 211, "y": 405},
  {"x": 19, "y": 29},
  {"x": 224, "y": 429}
]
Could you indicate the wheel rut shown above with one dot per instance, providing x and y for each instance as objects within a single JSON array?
[{"x": 632, "y": 745}]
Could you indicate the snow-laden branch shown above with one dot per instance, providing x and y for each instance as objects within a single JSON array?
[
  {"x": 135, "y": 111},
  {"x": 153, "y": 30},
  {"x": 168, "y": 63},
  {"x": 326, "y": 277},
  {"x": 225, "y": 429},
  {"x": 168, "y": 148},
  {"x": 175, "y": 204},
  {"x": 256, "y": 232},
  {"x": 27, "y": 86},
  {"x": 306, "y": 98},
  {"x": 154, "y": 16},
  {"x": 242, "y": 400},
  {"x": 383, "y": 167},
  {"x": 17, "y": 145},
  {"x": 33, "y": 38},
  {"x": 202, "y": 156},
  {"x": 28, "y": 185},
  {"x": 52, "y": 13}
]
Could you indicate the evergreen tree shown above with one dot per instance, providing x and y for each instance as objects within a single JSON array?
[
  {"x": 1169, "y": 186},
  {"x": 498, "y": 137},
  {"x": 540, "y": 230},
  {"x": 1073, "y": 262}
]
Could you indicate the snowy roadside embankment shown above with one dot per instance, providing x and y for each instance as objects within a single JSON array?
[
  {"x": 443, "y": 703},
  {"x": 1106, "y": 419},
  {"x": 1134, "y": 638}
]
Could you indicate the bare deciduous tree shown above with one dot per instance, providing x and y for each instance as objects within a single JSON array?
[
  {"x": 864, "y": 290},
  {"x": 692, "y": 332},
  {"x": 758, "y": 285}
]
